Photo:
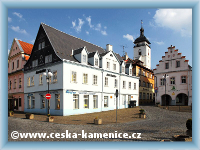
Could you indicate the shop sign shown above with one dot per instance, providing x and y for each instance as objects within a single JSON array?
[
  {"x": 70, "y": 92},
  {"x": 173, "y": 93},
  {"x": 110, "y": 75}
]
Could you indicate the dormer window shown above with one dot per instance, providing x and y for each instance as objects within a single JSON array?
[
  {"x": 43, "y": 44},
  {"x": 84, "y": 58},
  {"x": 108, "y": 65},
  {"x": 130, "y": 71},
  {"x": 96, "y": 62},
  {"x": 122, "y": 69}
]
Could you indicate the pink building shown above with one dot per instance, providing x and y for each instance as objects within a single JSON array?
[
  {"x": 19, "y": 54},
  {"x": 173, "y": 79}
]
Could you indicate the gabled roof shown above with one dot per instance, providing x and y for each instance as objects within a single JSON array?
[
  {"x": 26, "y": 57},
  {"x": 91, "y": 54},
  {"x": 64, "y": 43},
  {"x": 78, "y": 51},
  {"x": 27, "y": 47}
]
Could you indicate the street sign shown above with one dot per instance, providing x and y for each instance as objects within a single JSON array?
[
  {"x": 48, "y": 96},
  {"x": 156, "y": 88}
]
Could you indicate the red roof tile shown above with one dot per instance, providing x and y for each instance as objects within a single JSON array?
[{"x": 26, "y": 47}]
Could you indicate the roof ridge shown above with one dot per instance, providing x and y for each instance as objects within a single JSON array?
[{"x": 71, "y": 35}]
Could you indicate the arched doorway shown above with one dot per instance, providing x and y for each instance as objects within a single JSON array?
[
  {"x": 182, "y": 99},
  {"x": 168, "y": 100}
]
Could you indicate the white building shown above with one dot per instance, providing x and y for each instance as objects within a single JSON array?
[
  {"x": 178, "y": 79},
  {"x": 85, "y": 76}
]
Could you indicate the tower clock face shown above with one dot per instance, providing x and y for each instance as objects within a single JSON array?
[{"x": 41, "y": 59}]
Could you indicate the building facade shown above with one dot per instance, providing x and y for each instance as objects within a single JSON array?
[
  {"x": 85, "y": 76},
  {"x": 146, "y": 82},
  {"x": 177, "y": 88},
  {"x": 18, "y": 56}
]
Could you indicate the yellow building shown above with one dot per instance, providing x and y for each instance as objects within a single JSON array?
[{"x": 146, "y": 82}]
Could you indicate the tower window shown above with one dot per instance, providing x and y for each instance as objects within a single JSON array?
[{"x": 139, "y": 52}]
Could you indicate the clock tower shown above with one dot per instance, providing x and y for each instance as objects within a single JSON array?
[{"x": 142, "y": 49}]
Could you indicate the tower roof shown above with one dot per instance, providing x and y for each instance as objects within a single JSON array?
[{"x": 141, "y": 38}]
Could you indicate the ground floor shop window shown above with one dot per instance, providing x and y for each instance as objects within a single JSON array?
[
  {"x": 123, "y": 99},
  {"x": 20, "y": 102},
  {"x": 86, "y": 101},
  {"x": 129, "y": 99},
  {"x": 140, "y": 95},
  {"x": 29, "y": 102},
  {"x": 76, "y": 101},
  {"x": 57, "y": 96},
  {"x": 105, "y": 101},
  {"x": 33, "y": 102},
  {"x": 95, "y": 101},
  {"x": 43, "y": 101}
]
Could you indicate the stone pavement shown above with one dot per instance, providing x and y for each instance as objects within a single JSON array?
[{"x": 160, "y": 124}]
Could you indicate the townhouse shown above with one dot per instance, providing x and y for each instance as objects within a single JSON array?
[{"x": 84, "y": 78}]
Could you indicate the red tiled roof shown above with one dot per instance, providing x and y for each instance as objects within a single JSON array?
[
  {"x": 26, "y": 57},
  {"x": 26, "y": 47}
]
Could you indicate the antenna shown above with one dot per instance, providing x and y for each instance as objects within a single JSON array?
[
  {"x": 123, "y": 49},
  {"x": 141, "y": 23}
]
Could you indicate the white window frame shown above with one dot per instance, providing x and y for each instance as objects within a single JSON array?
[
  {"x": 134, "y": 86},
  {"x": 162, "y": 81},
  {"x": 84, "y": 58},
  {"x": 32, "y": 81},
  {"x": 105, "y": 100},
  {"x": 85, "y": 78},
  {"x": 124, "y": 84},
  {"x": 95, "y": 101},
  {"x": 75, "y": 101},
  {"x": 74, "y": 76},
  {"x": 86, "y": 101},
  {"x": 95, "y": 79},
  {"x": 172, "y": 81},
  {"x": 123, "y": 68},
  {"x": 106, "y": 81},
  {"x": 183, "y": 78},
  {"x": 115, "y": 83},
  {"x": 96, "y": 62},
  {"x": 29, "y": 81},
  {"x": 129, "y": 85}
]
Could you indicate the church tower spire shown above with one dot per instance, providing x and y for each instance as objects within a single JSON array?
[{"x": 142, "y": 49}]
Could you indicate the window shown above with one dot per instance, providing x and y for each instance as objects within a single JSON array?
[
  {"x": 55, "y": 76},
  {"x": 130, "y": 72},
  {"x": 15, "y": 83},
  {"x": 144, "y": 84},
  {"x": 94, "y": 79},
  {"x": 32, "y": 80},
  {"x": 150, "y": 96},
  {"x": 108, "y": 65},
  {"x": 29, "y": 102},
  {"x": 147, "y": 85},
  {"x": 129, "y": 99},
  {"x": 42, "y": 101},
  {"x": 140, "y": 95},
  {"x": 33, "y": 102},
  {"x": 147, "y": 74},
  {"x": 172, "y": 80},
  {"x": 129, "y": 85},
  {"x": 106, "y": 81},
  {"x": 105, "y": 101},
  {"x": 17, "y": 63},
  {"x": 39, "y": 46},
  {"x": 122, "y": 69},
  {"x": 115, "y": 83},
  {"x": 177, "y": 64},
  {"x": 86, "y": 101},
  {"x": 147, "y": 95},
  {"x": 35, "y": 63},
  {"x": 144, "y": 95},
  {"x": 48, "y": 58},
  {"x": 85, "y": 78},
  {"x": 20, "y": 82},
  {"x": 76, "y": 101},
  {"x": 139, "y": 71},
  {"x": 73, "y": 76},
  {"x": 139, "y": 82},
  {"x": 96, "y": 62},
  {"x": 162, "y": 82},
  {"x": 134, "y": 86},
  {"x": 20, "y": 101},
  {"x": 124, "y": 84},
  {"x": 114, "y": 67},
  {"x": 143, "y": 73},
  {"x": 10, "y": 87},
  {"x": 183, "y": 79},
  {"x": 95, "y": 101},
  {"x": 43, "y": 44},
  {"x": 166, "y": 65},
  {"x": 40, "y": 78},
  {"x": 123, "y": 99},
  {"x": 139, "y": 52},
  {"x": 57, "y": 96},
  {"x": 13, "y": 66},
  {"x": 84, "y": 58}
]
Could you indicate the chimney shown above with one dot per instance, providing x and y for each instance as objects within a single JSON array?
[{"x": 109, "y": 47}]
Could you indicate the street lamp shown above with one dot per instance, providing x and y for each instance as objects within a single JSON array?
[
  {"x": 165, "y": 76},
  {"x": 48, "y": 76}
]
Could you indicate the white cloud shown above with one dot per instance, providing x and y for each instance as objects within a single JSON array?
[
  {"x": 87, "y": 32},
  {"x": 9, "y": 19},
  {"x": 32, "y": 42},
  {"x": 18, "y": 15},
  {"x": 89, "y": 21},
  {"x": 179, "y": 20},
  {"x": 159, "y": 43},
  {"x": 17, "y": 29},
  {"x": 79, "y": 26},
  {"x": 103, "y": 32},
  {"x": 129, "y": 37},
  {"x": 98, "y": 27}
]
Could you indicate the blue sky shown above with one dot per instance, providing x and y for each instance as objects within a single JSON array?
[{"x": 118, "y": 27}]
